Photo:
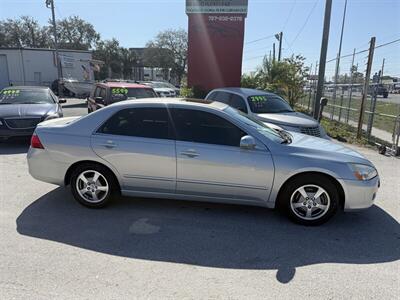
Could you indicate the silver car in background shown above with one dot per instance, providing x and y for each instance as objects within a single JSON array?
[
  {"x": 268, "y": 108},
  {"x": 199, "y": 150}
]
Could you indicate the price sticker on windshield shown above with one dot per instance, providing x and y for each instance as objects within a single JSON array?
[
  {"x": 258, "y": 101},
  {"x": 119, "y": 91},
  {"x": 10, "y": 92}
]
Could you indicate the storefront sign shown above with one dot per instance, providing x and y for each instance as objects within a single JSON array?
[{"x": 216, "y": 6}]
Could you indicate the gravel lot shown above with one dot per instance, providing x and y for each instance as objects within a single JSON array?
[{"x": 51, "y": 247}]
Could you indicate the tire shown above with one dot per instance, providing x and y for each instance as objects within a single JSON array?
[
  {"x": 93, "y": 194},
  {"x": 309, "y": 210}
]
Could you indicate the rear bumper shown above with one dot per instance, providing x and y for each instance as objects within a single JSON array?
[
  {"x": 42, "y": 167},
  {"x": 360, "y": 194}
]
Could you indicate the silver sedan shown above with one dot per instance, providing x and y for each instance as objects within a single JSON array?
[{"x": 199, "y": 150}]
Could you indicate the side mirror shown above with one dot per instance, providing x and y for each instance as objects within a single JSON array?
[
  {"x": 322, "y": 103},
  {"x": 99, "y": 100},
  {"x": 247, "y": 142},
  {"x": 62, "y": 101}
]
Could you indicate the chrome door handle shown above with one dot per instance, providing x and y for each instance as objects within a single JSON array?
[
  {"x": 109, "y": 144},
  {"x": 190, "y": 153}
]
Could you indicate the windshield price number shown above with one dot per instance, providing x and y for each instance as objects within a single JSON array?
[
  {"x": 122, "y": 91},
  {"x": 10, "y": 92}
]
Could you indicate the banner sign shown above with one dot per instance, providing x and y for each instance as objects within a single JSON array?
[{"x": 216, "y": 6}]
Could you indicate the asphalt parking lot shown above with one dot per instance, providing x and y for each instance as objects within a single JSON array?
[{"x": 51, "y": 247}]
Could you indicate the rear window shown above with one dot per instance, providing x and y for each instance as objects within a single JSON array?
[
  {"x": 25, "y": 96},
  {"x": 120, "y": 94}
]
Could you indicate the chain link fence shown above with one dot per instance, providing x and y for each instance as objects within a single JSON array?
[{"x": 381, "y": 110}]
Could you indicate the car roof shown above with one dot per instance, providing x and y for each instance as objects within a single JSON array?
[
  {"x": 26, "y": 87},
  {"x": 189, "y": 102},
  {"x": 116, "y": 84},
  {"x": 244, "y": 91}
]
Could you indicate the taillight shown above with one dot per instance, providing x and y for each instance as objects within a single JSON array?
[{"x": 36, "y": 143}]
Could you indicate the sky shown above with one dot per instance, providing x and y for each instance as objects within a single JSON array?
[{"x": 134, "y": 22}]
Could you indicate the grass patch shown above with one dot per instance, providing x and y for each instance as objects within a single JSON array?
[{"x": 382, "y": 107}]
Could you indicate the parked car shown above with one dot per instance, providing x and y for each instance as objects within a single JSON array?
[
  {"x": 199, "y": 150},
  {"x": 379, "y": 90},
  {"x": 23, "y": 107},
  {"x": 163, "y": 89},
  {"x": 269, "y": 108},
  {"x": 106, "y": 93}
]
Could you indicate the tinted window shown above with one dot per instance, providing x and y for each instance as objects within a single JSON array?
[
  {"x": 103, "y": 93},
  {"x": 25, "y": 96},
  {"x": 203, "y": 127},
  {"x": 238, "y": 102},
  {"x": 97, "y": 92},
  {"x": 223, "y": 97},
  {"x": 268, "y": 103},
  {"x": 213, "y": 96},
  {"x": 140, "y": 122}
]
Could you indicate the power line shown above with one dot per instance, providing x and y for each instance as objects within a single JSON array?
[
  {"x": 305, "y": 23},
  {"x": 366, "y": 50},
  {"x": 289, "y": 15},
  {"x": 260, "y": 39}
]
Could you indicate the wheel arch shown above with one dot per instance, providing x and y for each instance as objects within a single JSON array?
[
  {"x": 338, "y": 185},
  {"x": 67, "y": 178}
]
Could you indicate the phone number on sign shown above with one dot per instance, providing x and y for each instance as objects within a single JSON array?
[{"x": 225, "y": 19}]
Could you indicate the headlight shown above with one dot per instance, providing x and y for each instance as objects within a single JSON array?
[
  {"x": 1, "y": 123},
  {"x": 363, "y": 172},
  {"x": 52, "y": 116}
]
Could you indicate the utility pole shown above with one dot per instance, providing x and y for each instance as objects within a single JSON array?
[
  {"x": 280, "y": 37},
  {"x": 366, "y": 85},
  {"x": 50, "y": 4},
  {"x": 322, "y": 59},
  {"x": 273, "y": 52},
  {"x": 340, "y": 50},
  {"x": 351, "y": 85},
  {"x": 383, "y": 66}
]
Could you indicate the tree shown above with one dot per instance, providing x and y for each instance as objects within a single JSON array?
[
  {"x": 176, "y": 42},
  {"x": 108, "y": 51},
  {"x": 23, "y": 32},
  {"x": 75, "y": 33},
  {"x": 286, "y": 78}
]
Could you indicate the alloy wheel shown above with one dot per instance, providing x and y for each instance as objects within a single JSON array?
[
  {"x": 310, "y": 202},
  {"x": 92, "y": 186}
]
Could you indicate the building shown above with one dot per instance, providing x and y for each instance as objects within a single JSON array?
[
  {"x": 34, "y": 66},
  {"x": 142, "y": 69}
]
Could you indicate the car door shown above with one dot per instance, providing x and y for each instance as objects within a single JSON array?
[
  {"x": 139, "y": 144},
  {"x": 210, "y": 162}
]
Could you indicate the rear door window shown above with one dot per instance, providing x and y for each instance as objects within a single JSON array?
[{"x": 139, "y": 122}]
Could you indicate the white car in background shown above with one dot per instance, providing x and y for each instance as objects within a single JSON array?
[{"x": 163, "y": 89}]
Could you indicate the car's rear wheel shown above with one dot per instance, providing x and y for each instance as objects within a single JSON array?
[
  {"x": 309, "y": 200},
  {"x": 93, "y": 185}
]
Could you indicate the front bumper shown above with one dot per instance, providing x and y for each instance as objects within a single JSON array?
[
  {"x": 6, "y": 132},
  {"x": 360, "y": 194}
]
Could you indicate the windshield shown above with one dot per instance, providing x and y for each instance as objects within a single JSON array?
[
  {"x": 25, "y": 96},
  {"x": 120, "y": 94},
  {"x": 256, "y": 124},
  {"x": 268, "y": 103}
]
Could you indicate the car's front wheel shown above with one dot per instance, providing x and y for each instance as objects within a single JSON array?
[
  {"x": 93, "y": 185},
  {"x": 310, "y": 200}
]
